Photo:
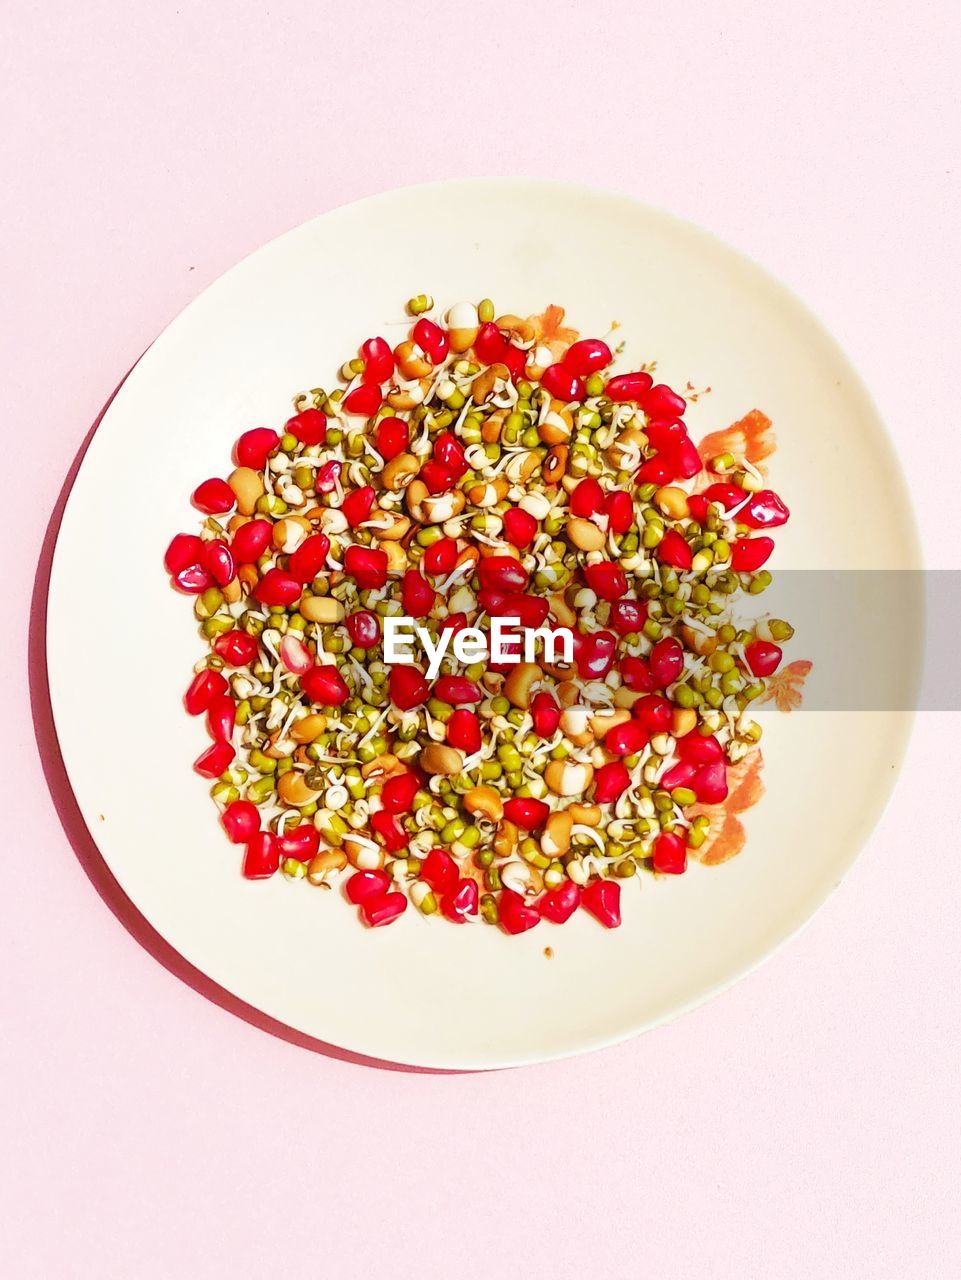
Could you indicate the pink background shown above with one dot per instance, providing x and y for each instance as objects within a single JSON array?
[{"x": 804, "y": 1124}]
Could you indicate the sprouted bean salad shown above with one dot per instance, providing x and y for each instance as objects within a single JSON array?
[{"x": 467, "y": 473}]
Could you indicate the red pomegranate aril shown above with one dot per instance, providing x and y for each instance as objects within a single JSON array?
[
  {"x": 636, "y": 674},
  {"x": 431, "y": 339},
  {"x": 367, "y": 566},
  {"x": 440, "y": 557},
  {"x": 656, "y": 470},
  {"x": 251, "y": 541},
  {"x": 193, "y": 580},
  {"x": 449, "y": 452},
  {"x": 454, "y": 622},
  {"x": 490, "y": 344},
  {"x": 666, "y": 661},
  {"x": 526, "y": 812},
  {"x": 762, "y": 657},
  {"x": 607, "y": 580},
  {"x": 218, "y": 562},
  {"x": 562, "y": 383},
  {"x": 439, "y": 870},
  {"x": 255, "y": 447},
  {"x": 727, "y": 496},
  {"x": 295, "y": 657},
  {"x": 277, "y": 587},
  {"x": 661, "y": 402},
  {"x": 699, "y": 748},
  {"x": 457, "y": 690},
  {"x": 545, "y": 713},
  {"x": 364, "y": 400},
  {"x": 686, "y": 459},
  {"x": 515, "y": 358},
  {"x": 388, "y": 829},
  {"x": 262, "y": 856},
  {"x": 185, "y": 550},
  {"x": 749, "y": 554},
  {"x": 674, "y": 550},
  {"x": 241, "y": 821},
  {"x": 438, "y": 478},
  {"x": 587, "y": 498},
  {"x": 408, "y": 687},
  {"x": 221, "y": 718},
  {"x": 697, "y": 505},
  {"x": 378, "y": 360},
  {"x": 325, "y": 686},
  {"x": 628, "y": 388},
  {"x": 515, "y": 915},
  {"x": 307, "y": 560},
  {"x": 587, "y": 356},
  {"x": 325, "y": 481},
  {"x": 665, "y": 436},
  {"x": 626, "y": 739},
  {"x": 365, "y": 885},
  {"x": 464, "y": 731},
  {"x": 670, "y": 854},
  {"x": 397, "y": 794},
  {"x": 212, "y": 762},
  {"x": 363, "y": 627},
  {"x": 610, "y": 781},
  {"x": 213, "y": 497},
  {"x": 357, "y": 505},
  {"x": 204, "y": 687},
  {"x": 417, "y": 595},
  {"x": 619, "y": 509},
  {"x": 519, "y": 527},
  {"x": 301, "y": 842},
  {"x": 594, "y": 654},
  {"x": 237, "y": 648},
  {"x": 709, "y": 783},
  {"x": 502, "y": 573},
  {"x": 309, "y": 426},
  {"x": 654, "y": 713},
  {"x": 461, "y": 901},
  {"x": 602, "y": 898},
  {"x": 627, "y": 617},
  {"x": 560, "y": 903},
  {"x": 381, "y": 911},
  {"x": 765, "y": 510},
  {"x": 530, "y": 611},
  {"x": 679, "y": 775},
  {"x": 391, "y": 437}
]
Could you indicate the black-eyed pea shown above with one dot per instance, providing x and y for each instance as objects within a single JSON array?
[
  {"x": 555, "y": 464},
  {"x": 409, "y": 397}
]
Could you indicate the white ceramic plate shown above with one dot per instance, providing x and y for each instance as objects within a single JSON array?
[{"x": 121, "y": 643}]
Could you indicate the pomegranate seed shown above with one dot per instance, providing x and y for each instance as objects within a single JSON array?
[
  {"x": 392, "y": 437},
  {"x": 464, "y": 731},
  {"x": 636, "y": 674},
  {"x": 559, "y": 904},
  {"x": 461, "y": 902},
  {"x": 367, "y": 566},
  {"x": 661, "y": 402},
  {"x": 602, "y": 898},
  {"x": 502, "y": 573},
  {"x": 686, "y": 459},
  {"x": 387, "y": 828},
  {"x": 241, "y": 821},
  {"x": 325, "y": 481},
  {"x": 437, "y": 477},
  {"x": 378, "y": 360},
  {"x": 309, "y": 426},
  {"x": 204, "y": 687},
  {"x": 562, "y": 383},
  {"x": 679, "y": 775},
  {"x": 619, "y": 509},
  {"x": 515, "y": 914},
  {"x": 218, "y": 562},
  {"x": 364, "y": 400},
  {"x": 657, "y": 470},
  {"x": 307, "y": 560},
  {"x": 454, "y": 622},
  {"x": 709, "y": 784},
  {"x": 439, "y": 870},
  {"x": 610, "y": 781},
  {"x": 673, "y": 550},
  {"x": 408, "y": 687},
  {"x": 278, "y": 587},
  {"x": 213, "y": 497},
  {"x": 628, "y": 387},
  {"x": 627, "y": 617},
  {"x": 184, "y": 552},
  {"x": 325, "y": 686},
  {"x": 594, "y": 654},
  {"x": 626, "y": 739},
  {"x": 666, "y": 661},
  {"x": 255, "y": 447},
  {"x": 749, "y": 554},
  {"x": 212, "y": 762},
  {"x": 665, "y": 436},
  {"x": 490, "y": 345},
  {"x": 441, "y": 557},
  {"x": 654, "y": 713},
  {"x": 262, "y": 856},
  {"x": 519, "y": 527},
  {"x": 431, "y": 339},
  {"x": 545, "y": 713},
  {"x": 530, "y": 611},
  {"x": 302, "y": 843},
  {"x": 526, "y": 812},
  {"x": 417, "y": 595},
  {"x": 237, "y": 648},
  {"x": 363, "y": 627},
  {"x": 380, "y": 911},
  {"x": 358, "y": 505},
  {"x": 193, "y": 580},
  {"x": 697, "y": 504},
  {"x": 587, "y": 356},
  {"x": 457, "y": 690},
  {"x": 295, "y": 657},
  {"x": 397, "y": 795},
  {"x": 515, "y": 358},
  {"x": 607, "y": 580},
  {"x": 670, "y": 854},
  {"x": 727, "y": 496},
  {"x": 221, "y": 718},
  {"x": 365, "y": 885},
  {"x": 764, "y": 511},
  {"x": 587, "y": 498},
  {"x": 251, "y": 541},
  {"x": 699, "y": 748},
  {"x": 762, "y": 657},
  {"x": 449, "y": 452}
]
